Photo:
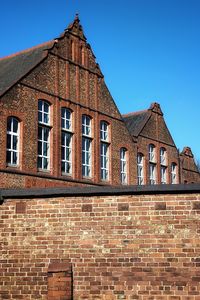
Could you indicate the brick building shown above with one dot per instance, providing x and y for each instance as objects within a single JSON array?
[
  {"x": 100, "y": 243},
  {"x": 60, "y": 126}
]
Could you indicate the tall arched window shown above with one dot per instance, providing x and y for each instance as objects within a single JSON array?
[
  {"x": 123, "y": 165},
  {"x": 12, "y": 151},
  {"x": 140, "y": 168},
  {"x": 43, "y": 135},
  {"x": 66, "y": 141},
  {"x": 86, "y": 146},
  {"x": 173, "y": 173},
  {"x": 104, "y": 136},
  {"x": 152, "y": 164},
  {"x": 163, "y": 165}
]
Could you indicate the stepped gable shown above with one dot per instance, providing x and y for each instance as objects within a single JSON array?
[
  {"x": 14, "y": 67},
  {"x": 187, "y": 151},
  {"x": 76, "y": 28}
]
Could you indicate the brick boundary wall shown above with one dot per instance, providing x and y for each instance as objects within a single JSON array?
[{"x": 111, "y": 243}]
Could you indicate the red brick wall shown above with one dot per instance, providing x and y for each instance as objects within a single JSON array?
[
  {"x": 119, "y": 247},
  {"x": 64, "y": 82},
  {"x": 172, "y": 157}
]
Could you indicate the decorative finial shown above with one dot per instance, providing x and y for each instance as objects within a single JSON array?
[{"x": 77, "y": 17}]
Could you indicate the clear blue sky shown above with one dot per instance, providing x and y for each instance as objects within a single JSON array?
[{"x": 148, "y": 50}]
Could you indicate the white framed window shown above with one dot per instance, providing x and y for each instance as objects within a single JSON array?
[
  {"x": 123, "y": 165},
  {"x": 86, "y": 125},
  {"x": 43, "y": 135},
  {"x": 140, "y": 168},
  {"x": 86, "y": 146},
  {"x": 66, "y": 119},
  {"x": 163, "y": 165},
  {"x": 104, "y": 137},
  {"x": 104, "y": 131},
  {"x": 163, "y": 156},
  {"x": 86, "y": 157},
  {"x": 152, "y": 173},
  {"x": 66, "y": 141},
  {"x": 163, "y": 174},
  {"x": 173, "y": 173},
  {"x": 152, "y": 153},
  {"x": 43, "y": 112},
  {"x": 104, "y": 161},
  {"x": 12, "y": 151}
]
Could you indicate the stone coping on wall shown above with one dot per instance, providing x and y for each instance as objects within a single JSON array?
[{"x": 99, "y": 191}]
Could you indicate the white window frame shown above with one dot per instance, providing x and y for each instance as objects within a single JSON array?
[
  {"x": 104, "y": 151},
  {"x": 13, "y": 150},
  {"x": 66, "y": 119},
  {"x": 123, "y": 165},
  {"x": 86, "y": 126},
  {"x": 163, "y": 174},
  {"x": 140, "y": 168},
  {"x": 44, "y": 125},
  {"x": 66, "y": 141},
  {"x": 86, "y": 146},
  {"x": 104, "y": 161},
  {"x": 152, "y": 173},
  {"x": 163, "y": 156},
  {"x": 173, "y": 173},
  {"x": 152, "y": 153},
  {"x": 104, "y": 131},
  {"x": 86, "y": 157}
]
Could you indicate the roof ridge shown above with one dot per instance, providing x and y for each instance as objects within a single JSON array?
[
  {"x": 134, "y": 113},
  {"x": 27, "y": 50}
]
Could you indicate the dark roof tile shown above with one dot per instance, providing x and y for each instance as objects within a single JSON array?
[
  {"x": 135, "y": 122},
  {"x": 14, "y": 67}
]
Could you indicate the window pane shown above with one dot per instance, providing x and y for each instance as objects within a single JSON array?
[
  {"x": 67, "y": 153},
  {"x": 15, "y": 141},
  {"x": 40, "y": 162},
  {"x": 46, "y": 107},
  {"x": 45, "y": 149},
  {"x": 63, "y": 166},
  {"x": 45, "y": 161},
  {"x": 68, "y": 139},
  {"x": 40, "y": 104},
  {"x": 8, "y": 157},
  {"x": 46, "y": 134},
  {"x": 40, "y": 133},
  {"x": 63, "y": 153},
  {"x": 39, "y": 116},
  {"x": 62, "y": 123},
  {"x": 9, "y": 124},
  {"x": 68, "y": 168},
  {"x": 40, "y": 148},
  {"x": 8, "y": 141},
  {"x": 14, "y": 158},
  {"x": 15, "y": 125},
  {"x": 46, "y": 118}
]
